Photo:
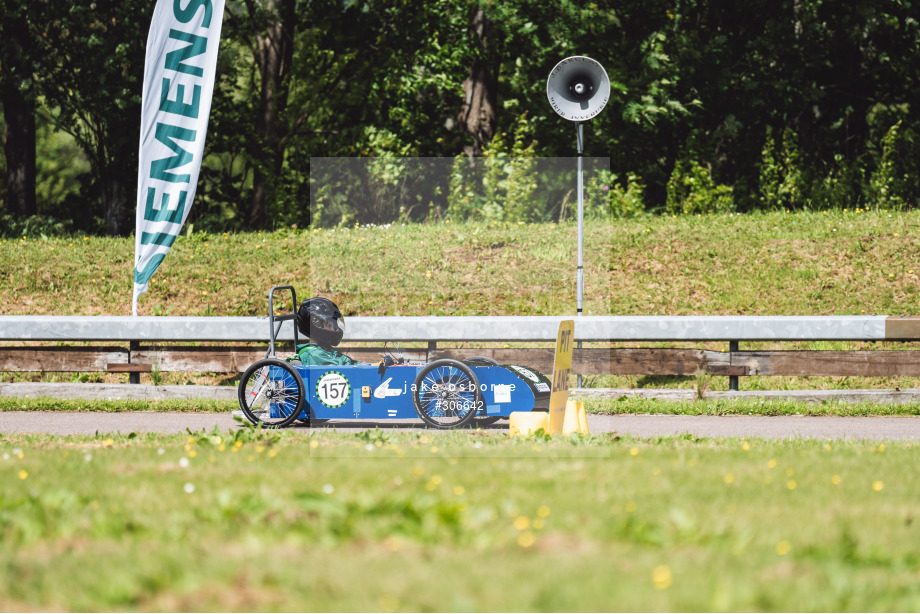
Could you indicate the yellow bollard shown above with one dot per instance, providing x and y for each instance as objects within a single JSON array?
[
  {"x": 527, "y": 422},
  {"x": 582, "y": 419},
  {"x": 576, "y": 419},
  {"x": 571, "y": 423}
]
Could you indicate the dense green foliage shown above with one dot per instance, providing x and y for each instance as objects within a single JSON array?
[{"x": 714, "y": 107}]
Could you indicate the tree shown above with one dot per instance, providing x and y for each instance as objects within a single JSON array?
[
  {"x": 272, "y": 25},
  {"x": 358, "y": 85},
  {"x": 90, "y": 64},
  {"x": 697, "y": 84},
  {"x": 822, "y": 70},
  {"x": 478, "y": 114},
  {"x": 17, "y": 94}
]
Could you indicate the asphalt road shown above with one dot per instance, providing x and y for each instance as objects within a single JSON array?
[{"x": 771, "y": 427}]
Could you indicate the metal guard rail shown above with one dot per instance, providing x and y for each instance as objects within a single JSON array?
[{"x": 469, "y": 328}]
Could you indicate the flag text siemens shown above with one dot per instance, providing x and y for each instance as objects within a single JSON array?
[
  {"x": 179, "y": 73},
  {"x": 170, "y": 135}
]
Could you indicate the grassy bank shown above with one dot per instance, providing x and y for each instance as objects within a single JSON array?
[
  {"x": 840, "y": 262},
  {"x": 455, "y": 521}
]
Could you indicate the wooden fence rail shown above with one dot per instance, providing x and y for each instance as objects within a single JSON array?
[{"x": 228, "y": 345}]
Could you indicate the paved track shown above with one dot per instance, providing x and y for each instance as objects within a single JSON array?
[
  {"x": 776, "y": 427},
  {"x": 772, "y": 427}
]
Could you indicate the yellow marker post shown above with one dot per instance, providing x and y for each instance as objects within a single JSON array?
[
  {"x": 576, "y": 420},
  {"x": 582, "y": 419},
  {"x": 570, "y": 424},
  {"x": 562, "y": 367}
]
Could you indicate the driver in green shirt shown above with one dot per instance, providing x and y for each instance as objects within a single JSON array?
[{"x": 319, "y": 319}]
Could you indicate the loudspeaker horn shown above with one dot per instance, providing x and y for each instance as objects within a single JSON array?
[{"x": 578, "y": 88}]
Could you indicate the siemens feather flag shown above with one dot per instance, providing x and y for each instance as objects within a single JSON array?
[{"x": 178, "y": 84}]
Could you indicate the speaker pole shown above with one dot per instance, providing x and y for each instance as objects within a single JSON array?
[
  {"x": 578, "y": 89},
  {"x": 580, "y": 271}
]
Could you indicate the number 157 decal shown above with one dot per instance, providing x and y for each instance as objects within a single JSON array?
[{"x": 333, "y": 389}]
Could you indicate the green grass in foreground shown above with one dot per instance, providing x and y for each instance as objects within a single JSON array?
[
  {"x": 747, "y": 406},
  {"x": 456, "y": 521}
]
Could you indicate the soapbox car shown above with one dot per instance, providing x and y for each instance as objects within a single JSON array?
[{"x": 445, "y": 393}]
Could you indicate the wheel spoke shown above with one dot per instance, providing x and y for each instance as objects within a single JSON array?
[
  {"x": 271, "y": 393},
  {"x": 446, "y": 395}
]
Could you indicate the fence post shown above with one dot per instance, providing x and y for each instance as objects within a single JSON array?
[
  {"x": 134, "y": 377},
  {"x": 732, "y": 379}
]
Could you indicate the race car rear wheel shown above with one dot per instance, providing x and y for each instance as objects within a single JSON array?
[
  {"x": 446, "y": 394},
  {"x": 481, "y": 361},
  {"x": 271, "y": 392}
]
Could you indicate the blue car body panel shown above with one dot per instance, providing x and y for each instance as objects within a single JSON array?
[{"x": 362, "y": 392}]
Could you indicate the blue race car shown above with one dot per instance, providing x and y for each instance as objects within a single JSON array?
[{"x": 445, "y": 393}]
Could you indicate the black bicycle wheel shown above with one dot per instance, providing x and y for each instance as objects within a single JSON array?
[
  {"x": 271, "y": 392},
  {"x": 447, "y": 394},
  {"x": 481, "y": 418},
  {"x": 480, "y": 361}
]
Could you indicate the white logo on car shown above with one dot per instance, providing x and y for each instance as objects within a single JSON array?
[{"x": 383, "y": 390}]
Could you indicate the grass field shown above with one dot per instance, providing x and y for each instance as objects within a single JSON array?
[
  {"x": 472, "y": 520},
  {"x": 456, "y": 522}
]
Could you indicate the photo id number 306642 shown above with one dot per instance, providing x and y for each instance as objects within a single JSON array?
[{"x": 461, "y": 405}]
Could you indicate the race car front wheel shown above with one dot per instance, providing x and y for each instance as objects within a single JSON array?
[
  {"x": 446, "y": 394},
  {"x": 271, "y": 392}
]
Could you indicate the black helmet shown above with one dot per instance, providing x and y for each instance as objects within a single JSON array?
[{"x": 318, "y": 318}]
